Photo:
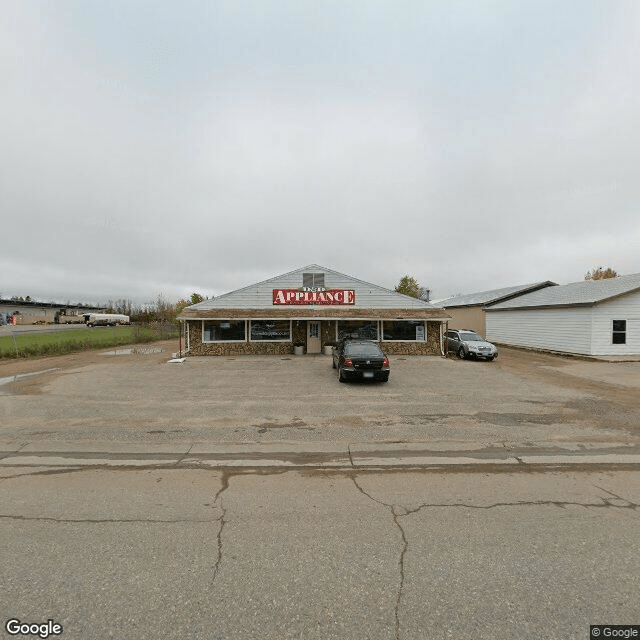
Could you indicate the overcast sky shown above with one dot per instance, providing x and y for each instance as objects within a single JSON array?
[{"x": 151, "y": 147}]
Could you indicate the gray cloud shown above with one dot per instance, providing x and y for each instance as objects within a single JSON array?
[{"x": 161, "y": 148}]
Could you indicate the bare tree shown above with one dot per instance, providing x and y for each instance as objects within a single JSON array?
[{"x": 600, "y": 273}]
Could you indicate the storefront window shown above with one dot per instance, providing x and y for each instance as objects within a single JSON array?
[
  {"x": 224, "y": 330},
  {"x": 270, "y": 330},
  {"x": 366, "y": 329},
  {"x": 403, "y": 330}
]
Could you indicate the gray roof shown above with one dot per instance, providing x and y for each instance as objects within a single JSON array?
[
  {"x": 260, "y": 295},
  {"x": 484, "y": 298},
  {"x": 584, "y": 293}
]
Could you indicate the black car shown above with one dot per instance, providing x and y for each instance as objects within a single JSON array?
[{"x": 360, "y": 359}]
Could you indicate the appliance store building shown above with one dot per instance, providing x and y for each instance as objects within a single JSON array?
[{"x": 312, "y": 307}]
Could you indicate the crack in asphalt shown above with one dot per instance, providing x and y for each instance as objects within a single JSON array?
[
  {"x": 11, "y": 453},
  {"x": 405, "y": 547},
  {"x": 562, "y": 504},
  {"x": 617, "y": 497},
  {"x": 403, "y": 551},
  {"x": 101, "y": 520},
  {"x": 400, "y": 511},
  {"x": 46, "y": 472},
  {"x": 187, "y": 452},
  {"x": 224, "y": 485}
]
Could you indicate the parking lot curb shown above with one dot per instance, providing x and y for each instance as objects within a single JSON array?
[{"x": 322, "y": 455}]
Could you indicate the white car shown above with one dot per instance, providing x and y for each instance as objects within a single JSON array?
[{"x": 468, "y": 344}]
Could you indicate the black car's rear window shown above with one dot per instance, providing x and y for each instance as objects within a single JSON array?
[{"x": 363, "y": 349}]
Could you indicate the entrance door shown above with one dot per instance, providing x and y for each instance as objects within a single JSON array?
[{"x": 313, "y": 336}]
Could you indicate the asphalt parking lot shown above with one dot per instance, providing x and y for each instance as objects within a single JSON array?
[{"x": 136, "y": 395}]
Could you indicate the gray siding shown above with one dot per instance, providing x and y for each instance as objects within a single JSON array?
[{"x": 260, "y": 295}]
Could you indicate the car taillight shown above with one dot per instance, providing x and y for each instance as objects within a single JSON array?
[
  {"x": 385, "y": 362},
  {"x": 347, "y": 362}
]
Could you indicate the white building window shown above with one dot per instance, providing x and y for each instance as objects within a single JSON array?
[{"x": 619, "y": 333}]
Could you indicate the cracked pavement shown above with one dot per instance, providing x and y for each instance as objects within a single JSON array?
[
  {"x": 145, "y": 500},
  {"x": 246, "y": 553}
]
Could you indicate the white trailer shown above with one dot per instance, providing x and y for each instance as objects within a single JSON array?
[{"x": 106, "y": 319}]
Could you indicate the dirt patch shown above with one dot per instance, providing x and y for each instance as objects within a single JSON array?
[
  {"x": 79, "y": 359},
  {"x": 28, "y": 386},
  {"x": 296, "y": 423},
  {"x": 566, "y": 373},
  {"x": 63, "y": 365},
  {"x": 429, "y": 418},
  {"x": 31, "y": 365},
  {"x": 516, "y": 419}
]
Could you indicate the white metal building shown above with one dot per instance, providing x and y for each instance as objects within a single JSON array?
[
  {"x": 599, "y": 318},
  {"x": 467, "y": 311}
]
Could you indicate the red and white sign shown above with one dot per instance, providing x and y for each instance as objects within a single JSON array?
[{"x": 328, "y": 296}]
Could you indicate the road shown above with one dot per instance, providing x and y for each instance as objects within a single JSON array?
[
  {"x": 318, "y": 553},
  {"x": 259, "y": 498}
]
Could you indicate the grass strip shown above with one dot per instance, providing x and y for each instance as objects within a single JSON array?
[{"x": 33, "y": 345}]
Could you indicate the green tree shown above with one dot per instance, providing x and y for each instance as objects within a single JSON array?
[
  {"x": 194, "y": 298},
  {"x": 409, "y": 286},
  {"x": 600, "y": 273},
  {"x": 180, "y": 305}
]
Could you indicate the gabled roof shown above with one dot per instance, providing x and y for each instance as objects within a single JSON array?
[
  {"x": 259, "y": 296},
  {"x": 494, "y": 296},
  {"x": 583, "y": 293}
]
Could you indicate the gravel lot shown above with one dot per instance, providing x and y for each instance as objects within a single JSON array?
[{"x": 521, "y": 398}]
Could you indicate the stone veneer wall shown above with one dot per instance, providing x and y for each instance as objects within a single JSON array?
[
  {"x": 328, "y": 332},
  {"x": 197, "y": 348},
  {"x": 430, "y": 347},
  {"x": 299, "y": 332}
]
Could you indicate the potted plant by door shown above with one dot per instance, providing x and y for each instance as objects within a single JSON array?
[{"x": 298, "y": 348}]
